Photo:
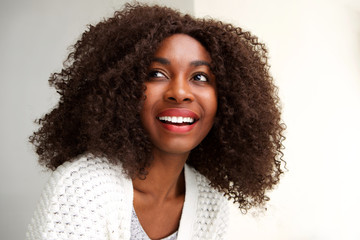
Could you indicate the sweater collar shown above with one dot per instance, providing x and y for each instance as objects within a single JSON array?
[{"x": 188, "y": 215}]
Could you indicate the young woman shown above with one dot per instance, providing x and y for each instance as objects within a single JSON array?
[{"x": 162, "y": 117}]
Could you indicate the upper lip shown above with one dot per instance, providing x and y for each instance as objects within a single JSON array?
[{"x": 178, "y": 112}]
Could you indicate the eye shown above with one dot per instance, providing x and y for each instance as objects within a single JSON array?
[
  {"x": 156, "y": 74},
  {"x": 200, "y": 77}
]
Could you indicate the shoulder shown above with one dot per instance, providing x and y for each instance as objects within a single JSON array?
[
  {"x": 86, "y": 165},
  {"x": 87, "y": 177},
  {"x": 77, "y": 200},
  {"x": 89, "y": 171}
]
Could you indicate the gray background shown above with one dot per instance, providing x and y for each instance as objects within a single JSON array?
[{"x": 34, "y": 39}]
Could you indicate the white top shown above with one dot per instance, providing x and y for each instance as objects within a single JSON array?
[
  {"x": 138, "y": 233},
  {"x": 90, "y": 198}
]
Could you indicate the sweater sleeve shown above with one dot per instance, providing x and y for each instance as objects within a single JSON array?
[{"x": 68, "y": 207}]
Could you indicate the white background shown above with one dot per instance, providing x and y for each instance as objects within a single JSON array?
[{"x": 314, "y": 50}]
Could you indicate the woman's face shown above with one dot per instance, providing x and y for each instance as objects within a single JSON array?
[{"x": 181, "y": 97}]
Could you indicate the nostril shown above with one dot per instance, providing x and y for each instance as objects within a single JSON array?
[{"x": 179, "y": 100}]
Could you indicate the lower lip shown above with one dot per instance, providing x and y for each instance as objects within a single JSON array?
[{"x": 178, "y": 129}]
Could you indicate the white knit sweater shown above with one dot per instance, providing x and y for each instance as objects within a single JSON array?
[{"x": 92, "y": 199}]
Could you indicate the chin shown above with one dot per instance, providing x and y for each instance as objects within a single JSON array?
[{"x": 176, "y": 148}]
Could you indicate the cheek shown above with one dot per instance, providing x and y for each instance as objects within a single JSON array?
[
  {"x": 211, "y": 103},
  {"x": 145, "y": 113},
  {"x": 152, "y": 97},
  {"x": 153, "y": 92},
  {"x": 149, "y": 97}
]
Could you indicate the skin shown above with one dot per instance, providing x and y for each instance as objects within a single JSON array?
[{"x": 179, "y": 78}]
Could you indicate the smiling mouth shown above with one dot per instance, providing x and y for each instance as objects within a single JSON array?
[{"x": 179, "y": 121}]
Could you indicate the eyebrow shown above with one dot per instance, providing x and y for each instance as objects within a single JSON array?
[
  {"x": 161, "y": 60},
  {"x": 200, "y": 63},
  {"x": 193, "y": 63}
]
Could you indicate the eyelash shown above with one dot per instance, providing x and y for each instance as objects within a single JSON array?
[
  {"x": 155, "y": 73},
  {"x": 203, "y": 75}
]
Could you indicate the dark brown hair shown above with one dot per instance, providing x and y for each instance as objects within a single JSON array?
[{"x": 101, "y": 89}]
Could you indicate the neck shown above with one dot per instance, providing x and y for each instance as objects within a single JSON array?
[{"x": 165, "y": 179}]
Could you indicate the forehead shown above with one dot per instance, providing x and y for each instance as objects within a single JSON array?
[{"x": 182, "y": 46}]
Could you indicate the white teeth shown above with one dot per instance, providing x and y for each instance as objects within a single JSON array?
[{"x": 174, "y": 119}]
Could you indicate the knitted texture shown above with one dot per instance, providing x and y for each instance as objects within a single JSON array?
[
  {"x": 90, "y": 198},
  {"x": 212, "y": 212}
]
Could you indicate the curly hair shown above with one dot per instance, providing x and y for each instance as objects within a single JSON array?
[{"x": 101, "y": 89}]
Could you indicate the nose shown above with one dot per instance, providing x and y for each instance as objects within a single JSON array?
[{"x": 179, "y": 91}]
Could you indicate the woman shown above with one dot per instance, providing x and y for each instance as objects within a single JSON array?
[{"x": 161, "y": 118}]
